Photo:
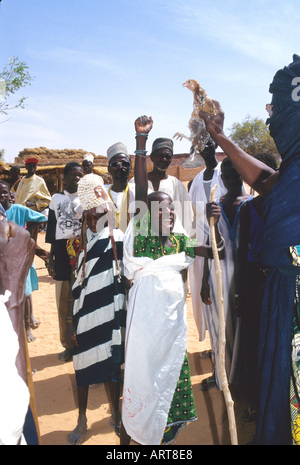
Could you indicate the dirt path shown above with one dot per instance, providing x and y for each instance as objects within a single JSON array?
[{"x": 55, "y": 391}]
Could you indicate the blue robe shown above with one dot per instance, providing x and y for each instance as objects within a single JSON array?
[{"x": 281, "y": 230}]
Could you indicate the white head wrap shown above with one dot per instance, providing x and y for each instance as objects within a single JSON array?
[
  {"x": 92, "y": 193},
  {"x": 88, "y": 157}
]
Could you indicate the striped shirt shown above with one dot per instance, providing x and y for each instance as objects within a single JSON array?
[{"x": 99, "y": 311}]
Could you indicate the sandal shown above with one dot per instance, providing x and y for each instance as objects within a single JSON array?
[
  {"x": 116, "y": 428},
  {"x": 75, "y": 440},
  {"x": 208, "y": 383}
]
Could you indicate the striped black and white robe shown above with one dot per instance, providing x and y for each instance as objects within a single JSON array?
[{"x": 99, "y": 311}]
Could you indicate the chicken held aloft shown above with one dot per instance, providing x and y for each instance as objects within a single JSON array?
[{"x": 202, "y": 102}]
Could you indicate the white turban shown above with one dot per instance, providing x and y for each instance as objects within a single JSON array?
[{"x": 88, "y": 157}]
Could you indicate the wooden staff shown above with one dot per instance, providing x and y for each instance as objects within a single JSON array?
[{"x": 222, "y": 335}]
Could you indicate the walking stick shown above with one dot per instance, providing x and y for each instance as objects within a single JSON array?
[{"x": 222, "y": 335}]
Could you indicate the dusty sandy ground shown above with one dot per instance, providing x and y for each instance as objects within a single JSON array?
[{"x": 55, "y": 390}]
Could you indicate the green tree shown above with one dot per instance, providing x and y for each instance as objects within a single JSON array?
[
  {"x": 14, "y": 76},
  {"x": 253, "y": 136}
]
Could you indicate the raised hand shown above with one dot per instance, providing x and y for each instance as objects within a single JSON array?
[{"x": 143, "y": 124}]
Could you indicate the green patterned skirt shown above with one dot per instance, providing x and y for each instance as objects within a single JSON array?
[{"x": 182, "y": 409}]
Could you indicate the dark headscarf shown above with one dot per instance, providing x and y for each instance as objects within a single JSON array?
[
  {"x": 284, "y": 124},
  {"x": 162, "y": 143},
  {"x": 282, "y": 205}
]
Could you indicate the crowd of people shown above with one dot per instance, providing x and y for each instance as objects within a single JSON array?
[{"x": 123, "y": 256}]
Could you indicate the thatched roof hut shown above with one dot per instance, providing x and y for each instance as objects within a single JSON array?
[
  {"x": 52, "y": 162},
  {"x": 51, "y": 165}
]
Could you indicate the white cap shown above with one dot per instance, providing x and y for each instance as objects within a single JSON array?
[{"x": 116, "y": 149}]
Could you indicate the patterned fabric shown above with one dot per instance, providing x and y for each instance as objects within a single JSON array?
[
  {"x": 63, "y": 223},
  {"x": 182, "y": 409},
  {"x": 295, "y": 379},
  {"x": 147, "y": 244},
  {"x": 73, "y": 249},
  {"x": 99, "y": 312},
  {"x": 295, "y": 375},
  {"x": 295, "y": 371}
]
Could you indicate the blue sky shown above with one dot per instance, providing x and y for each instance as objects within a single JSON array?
[{"x": 98, "y": 65}]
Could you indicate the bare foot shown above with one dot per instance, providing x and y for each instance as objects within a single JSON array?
[
  {"x": 66, "y": 355},
  {"x": 30, "y": 336},
  {"x": 34, "y": 323}
]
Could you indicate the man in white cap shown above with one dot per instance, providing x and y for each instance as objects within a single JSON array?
[
  {"x": 87, "y": 163},
  {"x": 120, "y": 191},
  {"x": 96, "y": 321}
]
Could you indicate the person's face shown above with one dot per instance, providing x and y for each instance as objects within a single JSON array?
[
  {"x": 162, "y": 214},
  {"x": 87, "y": 166},
  {"x": 209, "y": 150},
  {"x": 119, "y": 167},
  {"x": 161, "y": 159},
  {"x": 72, "y": 178},
  {"x": 31, "y": 169},
  {"x": 4, "y": 197},
  {"x": 12, "y": 197},
  {"x": 231, "y": 179},
  {"x": 93, "y": 216}
]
